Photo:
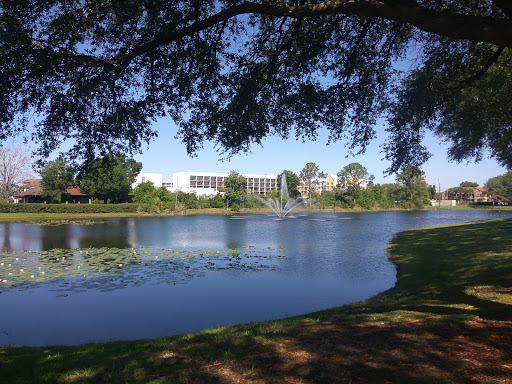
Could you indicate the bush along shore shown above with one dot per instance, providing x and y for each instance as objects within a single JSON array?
[
  {"x": 447, "y": 320},
  {"x": 70, "y": 208}
]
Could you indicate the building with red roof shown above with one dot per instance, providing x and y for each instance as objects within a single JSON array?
[
  {"x": 31, "y": 192},
  {"x": 470, "y": 194}
]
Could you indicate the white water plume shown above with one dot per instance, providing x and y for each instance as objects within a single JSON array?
[{"x": 282, "y": 205}]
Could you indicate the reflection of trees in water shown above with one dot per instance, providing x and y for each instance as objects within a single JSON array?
[
  {"x": 106, "y": 269},
  {"x": 109, "y": 234},
  {"x": 104, "y": 241},
  {"x": 6, "y": 245},
  {"x": 235, "y": 233},
  {"x": 55, "y": 237},
  {"x": 82, "y": 233}
]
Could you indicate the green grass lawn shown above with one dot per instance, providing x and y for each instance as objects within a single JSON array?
[
  {"x": 440, "y": 324},
  {"x": 77, "y": 216}
]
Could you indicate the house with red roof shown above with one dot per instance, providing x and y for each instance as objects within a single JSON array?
[
  {"x": 470, "y": 194},
  {"x": 31, "y": 192}
]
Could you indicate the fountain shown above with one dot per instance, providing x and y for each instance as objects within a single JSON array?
[{"x": 283, "y": 205}]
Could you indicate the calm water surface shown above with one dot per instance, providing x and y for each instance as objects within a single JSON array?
[{"x": 152, "y": 277}]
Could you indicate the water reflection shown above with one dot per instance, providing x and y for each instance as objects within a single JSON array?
[
  {"x": 63, "y": 238},
  {"x": 331, "y": 260},
  {"x": 235, "y": 232},
  {"x": 111, "y": 234},
  {"x": 6, "y": 245}
]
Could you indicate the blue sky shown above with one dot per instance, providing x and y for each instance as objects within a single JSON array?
[{"x": 167, "y": 155}]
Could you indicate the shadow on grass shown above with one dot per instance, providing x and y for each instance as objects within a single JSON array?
[
  {"x": 320, "y": 352},
  {"x": 433, "y": 327}
]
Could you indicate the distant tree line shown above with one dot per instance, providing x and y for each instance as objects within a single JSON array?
[
  {"x": 499, "y": 188},
  {"x": 109, "y": 179},
  {"x": 160, "y": 199},
  {"x": 356, "y": 189}
]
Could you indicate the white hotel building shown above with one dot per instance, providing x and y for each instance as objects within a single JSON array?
[
  {"x": 207, "y": 183},
  {"x": 155, "y": 178}
]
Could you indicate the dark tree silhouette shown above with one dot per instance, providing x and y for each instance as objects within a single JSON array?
[{"x": 99, "y": 73}]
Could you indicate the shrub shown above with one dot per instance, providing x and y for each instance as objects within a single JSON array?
[{"x": 68, "y": 208}]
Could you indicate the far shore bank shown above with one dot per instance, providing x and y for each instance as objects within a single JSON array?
[{"x": 222, "y": 211}]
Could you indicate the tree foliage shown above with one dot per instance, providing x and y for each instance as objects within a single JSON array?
[
  {"x": 459, "y": 193},
  {"x": 56, "y": 177},
  {"x": 144, "y": 193},
  {"x": 469, "y": 184},
  {"x": 494, "y": 189},
  {"x": 159, "y": 200},
  {"x": 500, "y": 188},
  {"x": 388, "y": 195},
  {"x": 309, "y": 176},
  {"x": 101, "y": 72},
  {"x": 292, "y": 181},
  {"x": 235, "y": 189},
  {"x": 415, "y": 188},
  {"x": 110, "y": 178},
  {"x": 354, "y": 178},
  {"x": 15, "y": 164}
]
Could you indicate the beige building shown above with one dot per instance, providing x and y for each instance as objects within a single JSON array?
[
  {"x": 470, "y": 194},
  {"x": 325, "y": 184}
]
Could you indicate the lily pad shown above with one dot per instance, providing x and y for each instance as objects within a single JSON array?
[{"x": 111, "y": 268}]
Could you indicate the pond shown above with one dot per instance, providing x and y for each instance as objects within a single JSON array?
[{"x": 74, "y": 282}]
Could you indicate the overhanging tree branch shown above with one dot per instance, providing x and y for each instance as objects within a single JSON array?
[
  {"x": 478, "y": 28},
  {"x": 505, "y": 6},
  {"x": 482, "y": 71},
  {"x": 488, "y": 29},
  {"x": 103, "y": 80}
]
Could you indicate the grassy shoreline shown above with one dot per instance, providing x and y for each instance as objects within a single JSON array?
[
  {"x": 452, "y": 302},
  {"x": 217, "y": 211}
]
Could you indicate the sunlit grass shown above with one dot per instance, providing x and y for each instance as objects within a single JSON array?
[
  {"x": 493, "y": 293},
  {"x": 78, "y": 375}
]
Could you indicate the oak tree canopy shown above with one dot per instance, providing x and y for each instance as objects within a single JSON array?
[{"x": 98, "y": 73}]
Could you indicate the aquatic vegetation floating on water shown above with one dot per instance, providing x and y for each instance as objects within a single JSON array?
[
  {"x": 111, "y": 268},
  {"x": 53, "y": 223}
]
